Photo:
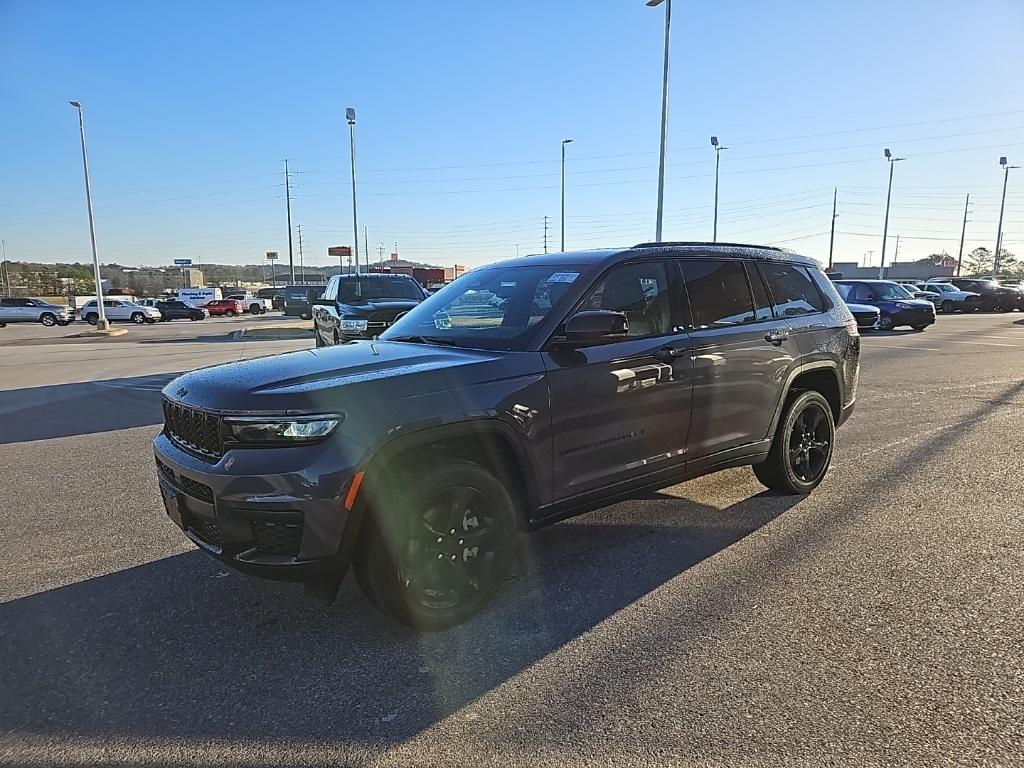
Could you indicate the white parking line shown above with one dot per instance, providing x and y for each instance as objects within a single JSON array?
[{"x": 983, "y": 343}]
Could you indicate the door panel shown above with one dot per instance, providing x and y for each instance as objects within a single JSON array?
[{"x": 617, "y": 410}]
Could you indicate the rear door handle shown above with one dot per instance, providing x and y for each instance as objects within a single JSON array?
[
  {"x": 776, "y": 337},
  {"x": 668, "y": 354}
]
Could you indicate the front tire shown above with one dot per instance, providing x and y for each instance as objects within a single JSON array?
[
  {"x": 948, "y": 307},
  {"x": 138, "y": 318},
  {"x": 886, "y": 323},
  {"x": 438, "y": 551},
  {"x": 48, "y": 319},
  {"x": 229, "y": 313},
  {"x": 919, "y": 327},
  {"x": 801, "y": 450}
]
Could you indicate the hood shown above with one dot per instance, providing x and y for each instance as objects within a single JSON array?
[
  {"x": 382, "y": 305},
  {"x": 916, "y": 303},
  {"x": 863, "y": 308},
  {"x": 312, "y": 379}
]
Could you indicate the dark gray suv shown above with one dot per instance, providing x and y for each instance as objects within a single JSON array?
[{"x": 522, "y": 393}]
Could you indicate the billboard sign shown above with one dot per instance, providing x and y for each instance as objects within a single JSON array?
[
  {"x": 271, "y": 255},
  {"x": 183, "y": 262},
  {"x": 339, "y": 250}
]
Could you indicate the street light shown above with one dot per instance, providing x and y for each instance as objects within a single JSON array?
[
  {"x": 101, "y": 322},
  {"x": 718, "y": 148},
  {"x": 1002, "y": 206},
  {"x": 350, "y": 116},
  {"x": 564, "y": 142},
  {"x": 664, "y": 117},
  {"x": 885, "y": 229}
]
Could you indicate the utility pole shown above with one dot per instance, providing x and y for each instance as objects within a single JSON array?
[
  {"x": 832, "y": 237},
  {"x": 101, "y": 323},
  {"x": 896, "y": 253},
  {"x": 564, "y": 142},
  {"x": 545, "y": 234},
  {"x": 963, "y": 231},
  {"x": 664, "y": 118},
  {"x": 5, "y": 287},
  {"x": 302, "y": 266},
  {"x": 366, "y": 249},
  {"x": 288, "y": 203},
  {"x": 380, "y": 256}
]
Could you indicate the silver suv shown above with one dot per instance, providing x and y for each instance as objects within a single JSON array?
[
  {"x": 26, "y": 310},
  {"x": 120, "y": 309}
]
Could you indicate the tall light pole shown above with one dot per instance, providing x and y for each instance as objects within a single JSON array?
[
  {"x": 564, "y": 142},
  {"x": 350, "y": 116},
  {"x": 888, "y": 197},
  {"x": 101, "y": 323},
  {"x": 664, "y": 116},
  {"x": 288, "y": 205},
  {"x": 5, "y": 287},
  {"x": 832, "y": 235},
  {"x": 1002, "y": 207},
  {"x": 718, "y": 149}
]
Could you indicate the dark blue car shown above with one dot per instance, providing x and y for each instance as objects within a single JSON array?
[{"x": 897, "y": 305}]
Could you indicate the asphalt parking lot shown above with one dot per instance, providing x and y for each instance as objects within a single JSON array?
[{"x": 876, "y": 622}]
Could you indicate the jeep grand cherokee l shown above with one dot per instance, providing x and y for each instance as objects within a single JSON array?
[{"x": 520, "y": 394}]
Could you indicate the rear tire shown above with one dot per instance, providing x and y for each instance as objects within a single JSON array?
[
  {"x": 919, "y": 327},
  {"x": 439, "y": 551},
  {"x": 92, "y": 319},
  {"x": 48, "y": 319},
  {"x": 948, "y": 307},
  {"x": 229, "y": 313},
  {"x": 801, "y": 450}
]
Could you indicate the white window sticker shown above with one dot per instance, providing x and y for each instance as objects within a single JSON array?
[{"x": 563, "y": 277}]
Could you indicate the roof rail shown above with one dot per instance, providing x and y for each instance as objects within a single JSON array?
[{"x": 705, "y": 243}]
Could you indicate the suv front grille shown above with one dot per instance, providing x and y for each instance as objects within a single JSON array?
[
  {"x": 207, "y": 530},
  {"x": 273, "y": 538},
  {"x": 196, "y": 431},
  {"x": 379, "y": 321}
]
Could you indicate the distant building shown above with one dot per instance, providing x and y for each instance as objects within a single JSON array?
[
  {"x": 193, "y": 278},
  {"x": 898, "y": 271}
]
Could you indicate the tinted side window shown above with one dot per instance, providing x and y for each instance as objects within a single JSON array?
[
  {"x": 862, "y": 292},
  {"x": 793, "y": 291},
  {"x": 641, "y": 292},
  {"x": 762, "y": 303},
  {"x": 718, "y": 291}
]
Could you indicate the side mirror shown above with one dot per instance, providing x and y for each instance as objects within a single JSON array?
[{"x": 595, "y": 325}]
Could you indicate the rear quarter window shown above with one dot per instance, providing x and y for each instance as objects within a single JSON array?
[{"x": 793, "y": 290}]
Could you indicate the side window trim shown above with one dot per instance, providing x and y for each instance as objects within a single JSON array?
[{"x": 753, "y": 270}]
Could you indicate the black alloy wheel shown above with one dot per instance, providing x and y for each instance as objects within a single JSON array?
[
  {"x": 802, "y": 447},
  {"x": 886, "y": 323},
  {"x": 441, "y": 550}
]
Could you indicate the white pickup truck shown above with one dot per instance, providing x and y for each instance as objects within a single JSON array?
[{"x": 252, "y": 303}]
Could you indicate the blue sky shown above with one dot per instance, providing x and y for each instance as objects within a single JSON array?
[{"x": 191, "y": 108}]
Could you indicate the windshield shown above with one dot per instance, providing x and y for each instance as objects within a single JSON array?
[
  {"x": 495, "y": 308},
  {"x": 941, "y": 287},
  {"x": 843, "y": 290},
  {"x": 892, "y": 291},
  {"x": 358, "y": 291}
]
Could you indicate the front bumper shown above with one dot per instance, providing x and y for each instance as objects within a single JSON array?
[
  {"x": 914, "y": 316},
  {"x": 278, "y": 513}
]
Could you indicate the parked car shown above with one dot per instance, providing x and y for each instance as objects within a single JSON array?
[
  {"x": 119, "y": 309},
  {"x": 896, "y": 304},
  {"x": 361, "y": 306},
  {"x": 952, "y": 299},
  {"x": 419, "y": 455},
  {"x": 227, "y": 307},
  {"x": 251, "y": 302},
  {"x": 867, "y": 316},
  {"x": 14, "y": 309},
  {"x": 994, "y": 297},
  {"x": 172, "y": 309}
]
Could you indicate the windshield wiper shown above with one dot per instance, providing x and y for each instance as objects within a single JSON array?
[{"x": 423, "y": 340}]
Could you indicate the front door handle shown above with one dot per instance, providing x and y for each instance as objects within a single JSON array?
[
  {"x": 668, "y": 354},
  {"x": 776, "y": 337}
]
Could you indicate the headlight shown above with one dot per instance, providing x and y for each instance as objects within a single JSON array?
[
  {"x": 351, "y": 324},
  {"x": 905, "y": 305},
  {"x": 286, "y": 430}
]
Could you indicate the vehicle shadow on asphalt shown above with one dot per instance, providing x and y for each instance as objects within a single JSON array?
[
  {"x": 181, "y": 649},
  {"x": 61, "y": 410}
]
